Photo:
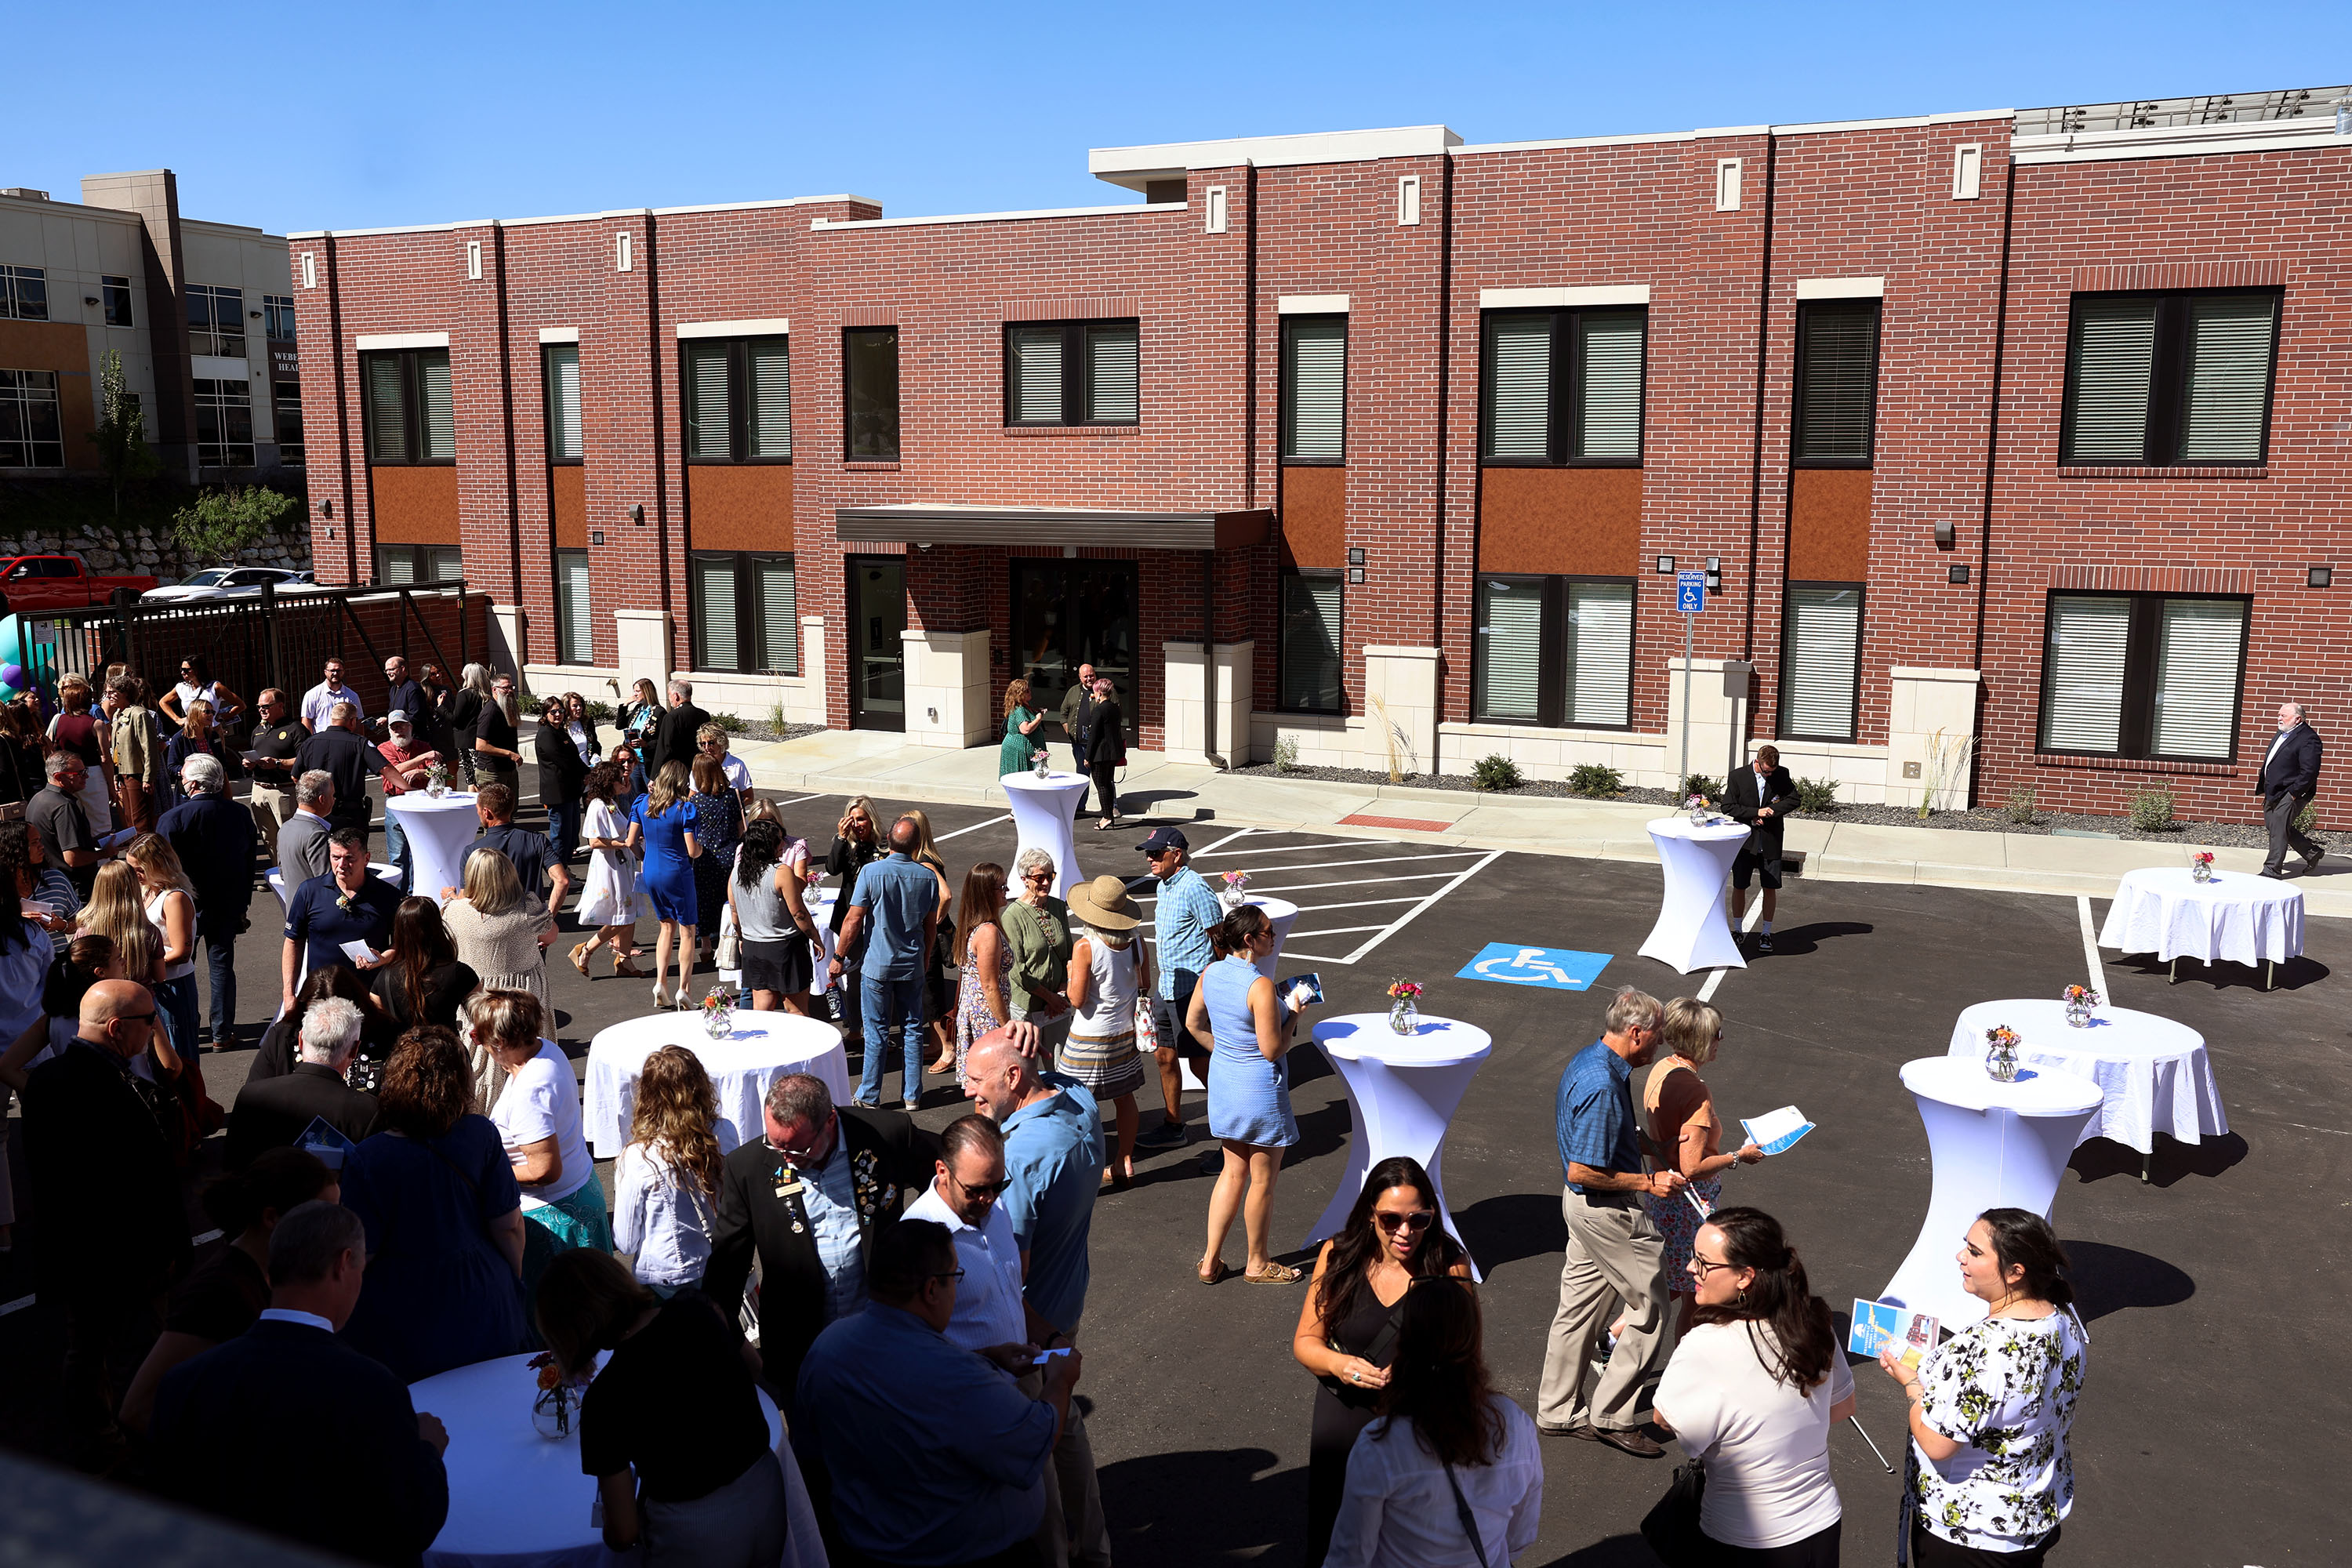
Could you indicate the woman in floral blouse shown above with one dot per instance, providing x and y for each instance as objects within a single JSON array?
[{"x": 1989, "y": 1472}]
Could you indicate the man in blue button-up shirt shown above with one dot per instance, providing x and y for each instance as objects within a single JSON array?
[
  {"x": 1612, "y": 1246},
  {"x": 894, "y": 911},
  {"x": 932, "y": 1456},
  {"x": 1180, "y": 921}
]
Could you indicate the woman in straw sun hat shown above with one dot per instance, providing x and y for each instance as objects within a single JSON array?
[{"x": 1109, "y": 969}]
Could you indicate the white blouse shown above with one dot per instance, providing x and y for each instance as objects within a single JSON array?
[
  {"x": 1766, "y": 1445},
  {"x": 661, "y": 1216},
  {"x": 542, "y": 1100},
  {"x": 1398, "y": 1511}
]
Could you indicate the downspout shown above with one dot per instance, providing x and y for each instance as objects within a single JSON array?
[
  {"x": 1992, "y": 423},
  {"x": 1755, "y": 447}
]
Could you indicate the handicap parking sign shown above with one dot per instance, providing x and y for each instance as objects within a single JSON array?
[
  {"x": 1551, "y": 968},
  {"x": 1690, "y": 593}
]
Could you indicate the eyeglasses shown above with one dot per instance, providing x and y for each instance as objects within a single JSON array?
[
  {"x": 982, "y": 1189},
  {"x": 956, "y": 1274},
  {"x": 1390, "y": 1222},
  {"x": 135, "y": 1018},
  {"x": 1039, "y": 876},
  {"x": 1703, "y": 1266}
]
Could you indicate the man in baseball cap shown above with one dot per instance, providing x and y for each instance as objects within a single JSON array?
[
  {"x": 405, "y": 767},
  {"x": 1181, "y": 924}
]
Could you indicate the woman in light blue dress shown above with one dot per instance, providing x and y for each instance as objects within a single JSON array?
[{"x": 1250, "y": 1030}]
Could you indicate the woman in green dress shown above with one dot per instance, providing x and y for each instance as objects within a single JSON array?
[{"x": 1020, "y": 722}]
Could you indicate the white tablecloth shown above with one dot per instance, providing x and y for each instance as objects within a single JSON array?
[
  {"x": 1403, "y": 1091},
  {"x": 438, "y": 833},
  {"x": 1994, "y": 1145},
  {"x": 2237, "y": 917},
  {"x": 763, "y": 1048},
  {"x": 518, "y": 1500},
  {"x": 1041, "y": 809},
  {"x": 2153, "y": 1074},
  {"x": 1692, "y": 933}
]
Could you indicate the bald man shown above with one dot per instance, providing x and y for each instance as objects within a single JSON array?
[{"x": 114, "y": 1232}]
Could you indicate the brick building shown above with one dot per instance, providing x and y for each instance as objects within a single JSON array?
[{"x": 2032, "y": 428}]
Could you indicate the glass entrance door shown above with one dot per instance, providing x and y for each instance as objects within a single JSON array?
[
  {"x": 1069, "y": 613},
  {"x": 877, "y": 652}
]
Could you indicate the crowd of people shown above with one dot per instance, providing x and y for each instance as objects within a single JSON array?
[{"x": 409, "y": 1188}]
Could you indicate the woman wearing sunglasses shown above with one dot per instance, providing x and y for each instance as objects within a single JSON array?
[{"x": 1347, "y": 1325}]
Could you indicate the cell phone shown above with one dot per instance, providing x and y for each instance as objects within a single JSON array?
[
  {"x": 1314, "y": 984},
  {"x": 1045, "y": 1356}
]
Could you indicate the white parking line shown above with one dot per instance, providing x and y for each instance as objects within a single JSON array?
[
  {"x": 2090, "y": 940},
  {"x": 796, "y": 800},
  {"x": 975, "y": 827},
  {"x": 1407, "y": 917},
  {"x": 1335, "y": 930},
  {"x": 1357, "y": 904},
  {"x": 1714, "y": 976},
  {"x": 1301, "y": 849},
  {"x": 18, "y": 1305}
]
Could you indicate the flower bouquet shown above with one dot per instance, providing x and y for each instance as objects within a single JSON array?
[
  {"x": 2200, "y": 866},
  {"x": 1404, "y": 1006},
  {"x": 2001, "y": 1060},
  {"x": 556, "y": 1409},
  {"x": 2081, "y": 1003},
  {"x": 1235, "y": 892},
  {"x": 437, "y": 781},
  {"x": 718, "y": 1011},
  {"x": 1697, "y": 808}
]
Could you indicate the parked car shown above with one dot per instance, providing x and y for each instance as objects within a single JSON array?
[
  {"x": 227, "y": 583},
  {"x": 30, "y": 584}
]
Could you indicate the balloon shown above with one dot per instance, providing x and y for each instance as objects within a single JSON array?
[{"x": 12, "y": 675}]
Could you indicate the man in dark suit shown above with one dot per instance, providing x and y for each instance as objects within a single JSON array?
[
  {"x": 2290, "y": 777},
  {"x": 1761, "y": 795},
  {"x": 114, "y": 1233},
  {"x": 272, "y": 1112},
  {"x": 215, "y": 838},
  {"x": 288, "y": 1429},
  {"x": 674, "y": 736},
  {"x": 343, "y": 754},
  {"x": 807, "y": 1200}
]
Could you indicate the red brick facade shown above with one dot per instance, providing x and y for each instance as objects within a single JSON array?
[{"x": 1976, "y": 296}]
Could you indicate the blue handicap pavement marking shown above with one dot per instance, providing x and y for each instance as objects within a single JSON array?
[{"x": 1553, "y": 968}]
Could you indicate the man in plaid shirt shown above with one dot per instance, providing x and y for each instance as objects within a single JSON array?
[{"x": 1181, "y": 924}]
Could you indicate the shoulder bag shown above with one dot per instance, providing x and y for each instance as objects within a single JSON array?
[
  {"x": 1469, "y": 1521},
  {"x": 1380, "y": 1344},
  {"x": 1671, "y": 1527}
]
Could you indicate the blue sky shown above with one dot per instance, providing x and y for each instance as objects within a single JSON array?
[{"x": 337, "y": 114}]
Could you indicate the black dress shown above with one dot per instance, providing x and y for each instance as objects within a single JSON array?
[{"x": 1339, "y": 1417}]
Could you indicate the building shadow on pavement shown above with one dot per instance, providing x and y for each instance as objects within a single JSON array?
[
  {"x": 2103, "y": 1157},
  {"x": 1172, "y": 1511},
  {"x": 2113, "y": 1279}
]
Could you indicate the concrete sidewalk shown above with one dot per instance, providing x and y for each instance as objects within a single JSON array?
[{"x": 1161, "y": 788}]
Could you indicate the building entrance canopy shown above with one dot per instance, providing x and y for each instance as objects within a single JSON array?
[{"x": 1056, "y": 527}]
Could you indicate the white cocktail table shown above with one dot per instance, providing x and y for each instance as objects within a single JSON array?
[
  {"x": 2236, "y": 917},
  {"x": 439, "y": 832},
  {"x": 1691, "y": 932},
  {"x": 2153, "y": 1075},
  {"x": 1401, "y": 1094},
  {"x": 1994, "y": 1145},
  {"x": 518, "y": 1500},
  {"x": 762, "y": 1048},
  {"x": 1042, "y": 811}
]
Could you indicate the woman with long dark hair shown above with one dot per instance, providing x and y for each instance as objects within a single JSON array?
[
  {"x": 1349, "y": 1324},
  {"x": 1752, "y": 1393},
  {"x": 1988, "y": 1471},
  {"x": 983, "y": 958},
  {"x": 765, "y": 890},
  {"x": 422, "y": 981},
  {"x": 1250, "y": 1027},
  {"x": 1450, "y": 1474},
  {"x": 718, "y": 823}
]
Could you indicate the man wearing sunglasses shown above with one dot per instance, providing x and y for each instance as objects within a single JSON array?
[
  {"x": 968, "y": 1179},
  {"x": 113, "y": 1231},
  {"x": 1181, "y": 924}
]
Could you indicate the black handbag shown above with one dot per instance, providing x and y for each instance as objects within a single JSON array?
[{"x": 1671, "y": 1527}]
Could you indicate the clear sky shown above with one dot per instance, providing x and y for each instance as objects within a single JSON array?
[{"x": 338, "y": 114}]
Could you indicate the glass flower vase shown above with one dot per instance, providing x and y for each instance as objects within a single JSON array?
[
  {"x": 1404, "y": 1016},
  {"x": 556, "y": 1412},
  {"x": 2001, "y": 1063}
]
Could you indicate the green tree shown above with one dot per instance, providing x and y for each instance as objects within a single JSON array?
[
  {"x": 121, "y": 435},
  {"x": 223, "y": 524}
]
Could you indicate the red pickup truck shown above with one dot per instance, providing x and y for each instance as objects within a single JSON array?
[{"x": 31, "y": 584}]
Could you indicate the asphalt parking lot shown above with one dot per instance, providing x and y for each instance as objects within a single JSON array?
[{"x": 2218, "y": 1366}]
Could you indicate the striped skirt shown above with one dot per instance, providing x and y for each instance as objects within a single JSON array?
[{"x": 1109, "y": 1065}]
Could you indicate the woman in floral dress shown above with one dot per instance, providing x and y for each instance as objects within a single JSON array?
[
  {"x": 717, "y": 827},
  {"x": 1688, "y": 1136},
  {"x": 985, "y": 957}
]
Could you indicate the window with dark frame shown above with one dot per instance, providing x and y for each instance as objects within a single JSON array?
[
  {"x": 1554, "y": 651},
  {"x": 419, "y": 565},
  {"x": 739, "y": 400},
  {"x": 32, "y": 434},
  {"x": 1071, "y": 373},
  {"x": 869, "y": 386},
  {"x": 560, "y": 375},
  {"x": 116, "y": 291},
  {"x": 746, "y": 612},
  {"x": 224, "y": 423},
  {"x": 1821, "y": 661},
  {"x": 1315, "y": 389},
  {"x": 1557, "y": 387},
  {"x": 23, "y": 294},
  {"x": 1836, "y": 403},
  {"x": 575, "y": 631},
  {"x": 286, "y": 405},
  {"x": 406, "y": 407},
  {"x": 2154, "y": 380},
  {"x": 278, "y": 317},
  {"x": 2153, "y": 675},
  {"x": 215, "y": 321},
  {"x": 1310, "y": 678}
]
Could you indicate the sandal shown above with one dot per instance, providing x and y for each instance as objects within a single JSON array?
[
  {"x": 627, "y": 969},
  {"x": 580, "y": 960},
  {"x": 1275, "y": 1274},
  {"x": 1223, "y": 1270}
]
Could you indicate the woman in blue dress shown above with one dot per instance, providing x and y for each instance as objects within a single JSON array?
[
  {"x": 667, "y": 817},
  {"x": 717, "y": 828},
  {"x": 1249, "y": 1029},
  {"x": 444, "y": 1217}
]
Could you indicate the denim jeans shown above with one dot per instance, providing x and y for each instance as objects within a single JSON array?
[
  {"x": 221, "y": 954},
  {"x": 396, "y": 848},
  {"x": 888, "y": 1002},
  {"x": 175, "y": 1003},
  {"x": 564, "y": 830}
]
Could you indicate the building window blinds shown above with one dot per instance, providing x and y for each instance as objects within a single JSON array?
[
  {"x": 408, "y": 414},
  {"x": 1111, "y": 374},
  {"x": 1315, "y": 389},
  {"x": 1837, "y": 381},
  {"x": 1071, "y": 373},
  {"x": 709, "y": 399},
  {"x": 1820, "y": 662},
  {"x": 1554, "y": 651},
  {"x": 387, "y": 410},
  {"x": 1036, "y": 374},
  {"x": 2155, "y": 379},
  {"x": 779, "y": 623},
  {"x": 1517, "y": 401},
  {"x": 563, "y": 403},
  {"x": 1563, "y": 386},
  {"x": 746, "y": 612},
  {"x": 2144, "y": 676},
  {"x": 1600, "y": 647},
  {"x": 1311, "y": 644},
  {"x": 1609, "y": 379},
  {"x": 739, "y": 400},
  {"x": 768, "y": 370},
  {"x": 1509, "y": 665},
  {"x": 717, "y": 642},
  {"x": 573, "y": 638}
]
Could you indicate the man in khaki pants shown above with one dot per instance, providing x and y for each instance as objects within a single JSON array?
[
  {"x": 278, "y": 738},
  {"x": 1612, "y": 1247}
]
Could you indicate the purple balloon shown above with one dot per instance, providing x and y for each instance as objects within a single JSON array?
[{"x": 12, "y": 675}]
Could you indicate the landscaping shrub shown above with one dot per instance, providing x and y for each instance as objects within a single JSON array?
[
  {"x": 1285, "y": 753},
  {"x": 1495, "y": 771},
  {"x": 2021, "y": 804},
  {"x": 1594, "y": 780},
  {"x": 1817, "y": 794},
  {"x": 2151, "y": 810},
  {"x": 1699, "y": 783}
]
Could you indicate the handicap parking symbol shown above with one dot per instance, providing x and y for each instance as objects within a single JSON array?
[{"x": 1552, "y": 968}]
